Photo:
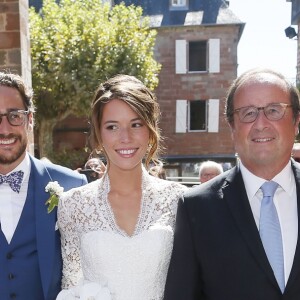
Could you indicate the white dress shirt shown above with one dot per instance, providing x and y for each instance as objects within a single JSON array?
[
  {"x": 285, "y": 200},
  {"x": 12, "y": 203}
]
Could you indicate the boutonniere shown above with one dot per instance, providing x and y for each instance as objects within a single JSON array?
[{"x": 55, "y": 191}]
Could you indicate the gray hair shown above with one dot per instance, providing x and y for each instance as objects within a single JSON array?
[
  {"x": 252, "y": 74},
  {"x": 210, "y": 164}
]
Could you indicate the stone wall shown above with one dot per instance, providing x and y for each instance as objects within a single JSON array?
[
  {"x": 15, "y": 41},
  {"x": 200, "y": 85}
]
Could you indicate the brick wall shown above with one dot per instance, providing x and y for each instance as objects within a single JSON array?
[
  {"x": 195, "y": 87},
  {"x": 14, "y": 41},
  {"x": 14, "y": 38},
  {"x": 177, "y": 86}
]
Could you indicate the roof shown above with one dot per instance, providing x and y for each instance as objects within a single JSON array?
[
  {"x": 224, "y": 17},
  {"x": 198, "y": 12},
  {"x": 37, "y": 4}
]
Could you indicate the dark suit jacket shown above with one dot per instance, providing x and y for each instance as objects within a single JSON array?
[
  {"x": 218, "y": 253},
  {"x": 48, "y": 238}
]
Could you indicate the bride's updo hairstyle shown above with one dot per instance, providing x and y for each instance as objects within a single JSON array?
[{"x": 141, "y": 100}]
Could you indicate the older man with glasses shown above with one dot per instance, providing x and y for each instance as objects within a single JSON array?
[
  {"x": 237, "y": 236},
  {"x": 30, "y": 252}
]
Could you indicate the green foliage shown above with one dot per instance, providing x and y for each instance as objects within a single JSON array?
[
  {"x": 75, "y": 45},
  {"x": 52, "y": 202}
]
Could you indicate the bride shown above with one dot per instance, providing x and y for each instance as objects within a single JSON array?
[{"x": 117, "y": 232}]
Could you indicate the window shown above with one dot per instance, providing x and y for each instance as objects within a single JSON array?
[
  {"x": 197, "y": 56},
  {"x": 178, "y": 3},
  {"x": 197, "y": 115}
]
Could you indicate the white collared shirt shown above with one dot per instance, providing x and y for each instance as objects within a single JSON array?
[
  {"x": 12, "y": 203},
  {"x": 285, "y": 200}
]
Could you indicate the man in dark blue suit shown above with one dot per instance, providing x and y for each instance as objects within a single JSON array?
[
  {"x": 221, "y": 251},
  {"x": 30, "y": 252}
]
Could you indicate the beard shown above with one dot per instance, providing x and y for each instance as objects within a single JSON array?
[{"x": 16, "y": 153}]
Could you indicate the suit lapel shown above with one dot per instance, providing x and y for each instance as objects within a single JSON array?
[
  {"x": 45, "y": 223},
  {"x": 236, "y": 197},
  {"x": 296, "y": 263}
]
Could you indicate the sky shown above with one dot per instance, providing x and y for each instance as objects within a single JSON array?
[{"x": 263, "y": 42}]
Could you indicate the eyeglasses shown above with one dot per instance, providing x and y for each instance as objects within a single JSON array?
[
  {"x": 206, "y": 175},
  {"x": 15, "y": 117},
  {"x": 273, "y": 112}
]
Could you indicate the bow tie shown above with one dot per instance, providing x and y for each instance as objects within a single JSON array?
[{"x": 14, "y": 180}]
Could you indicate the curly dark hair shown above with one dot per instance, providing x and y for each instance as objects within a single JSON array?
[{"x": 15, "y": 81}]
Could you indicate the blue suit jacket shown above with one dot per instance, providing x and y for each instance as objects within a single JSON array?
[{"x": 48, "y": 238}]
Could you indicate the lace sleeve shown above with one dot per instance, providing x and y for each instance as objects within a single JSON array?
[{"x": 72, "y": 272}]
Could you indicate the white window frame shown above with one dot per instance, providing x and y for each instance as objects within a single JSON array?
[
  {"x": 181, "y": 116},
  {"x": 181, "y": 57},
  {"x": 212, "y": 117},
  {"x": 179, "y": 3},
  {"x": 214, "y": 55}
]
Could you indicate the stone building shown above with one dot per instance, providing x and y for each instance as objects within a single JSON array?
[{"x": 197, "y": 47}]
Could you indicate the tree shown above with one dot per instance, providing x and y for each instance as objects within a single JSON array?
[{"x": 75, "y": 45}]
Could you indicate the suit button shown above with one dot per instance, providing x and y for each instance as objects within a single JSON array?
[
  {"x": 13, "y": 296},
  {"x": 11, "y": 276},
  {"x": 9, "y": 255}
]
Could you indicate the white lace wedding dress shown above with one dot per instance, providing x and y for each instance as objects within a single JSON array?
[{"x": 96, "y": 250}]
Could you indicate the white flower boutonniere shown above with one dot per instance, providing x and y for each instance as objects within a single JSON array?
[{"x": 55, "y": 191}]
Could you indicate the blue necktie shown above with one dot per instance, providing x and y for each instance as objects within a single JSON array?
[
  {"x": 14, "y": 180},
  {"x": 270, "y": 232}
]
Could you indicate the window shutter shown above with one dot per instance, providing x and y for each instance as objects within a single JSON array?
[
  {"x": 214, "y": 56},
  {"x": 213, "y": 115},
  {"x": 180, "y": 57},
  {"x": 181, "y": 115}
]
